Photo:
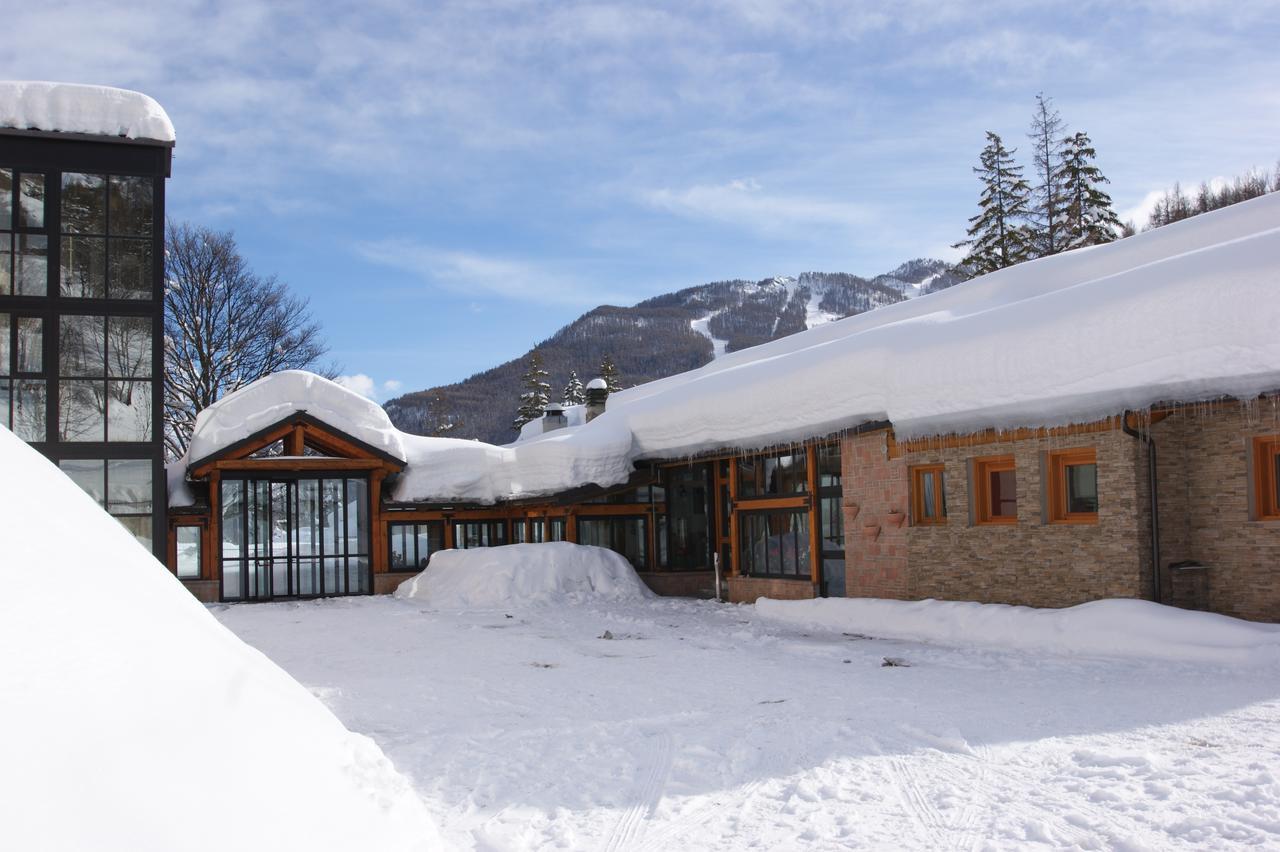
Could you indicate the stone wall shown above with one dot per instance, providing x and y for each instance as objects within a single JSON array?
[{"x": 1203, "y": 461}]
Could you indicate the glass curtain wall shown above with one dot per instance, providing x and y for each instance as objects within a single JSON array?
[{"x": 297, "y": 537}]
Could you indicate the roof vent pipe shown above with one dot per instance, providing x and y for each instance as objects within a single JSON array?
[
  {"x": 597, "y": 394},
  {"x": 553, "y": 417}
]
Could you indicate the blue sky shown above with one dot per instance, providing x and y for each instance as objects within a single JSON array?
[{"x": 449, "y": 183}]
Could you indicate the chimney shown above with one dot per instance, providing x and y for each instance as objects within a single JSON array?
[
  {"x": 553, "y": 417},
  {"x": 597, "y": 393}
]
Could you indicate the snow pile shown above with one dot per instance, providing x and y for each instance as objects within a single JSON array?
[
  {"x": 555, "y": 572},
  {"x": 135, "y": 721},
  {"x": 76, "y": 108},
  {"x": 1116, "y": 627},
  {"x": 271, "y": 399}
]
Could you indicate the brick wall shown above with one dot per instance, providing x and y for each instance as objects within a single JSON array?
[
  {"x": 748, "y": 589},
  {"x": 683, "y": 584},
  {"x": 1203, "y": 473},
  {"x": 875, "y": 503}
]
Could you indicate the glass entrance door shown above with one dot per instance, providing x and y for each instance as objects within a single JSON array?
[{"x": 296, "y": 537}]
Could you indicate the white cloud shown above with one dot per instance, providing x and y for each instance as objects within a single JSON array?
[
  {"x": 472, "y": 273},
  {"x": 745, "y": 202},
  {"x": 368, "y": 387}
]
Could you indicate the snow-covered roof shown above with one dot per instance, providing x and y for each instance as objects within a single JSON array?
[
  {"x": 78, "y": 108},
  {"x": 1183, "y": 313}
]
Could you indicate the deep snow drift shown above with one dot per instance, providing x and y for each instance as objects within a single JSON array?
[
  {"x": 1183, "y": 313},
  {"x": 1125, "y": 628},
  {"x": 77, "y": 108},
  {"x": 555, "y": 572},
  {"x": 134, "y": 721}
]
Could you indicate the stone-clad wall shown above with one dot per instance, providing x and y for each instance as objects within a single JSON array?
[
  {"x": 1203, "y": 473},
  {"x": 1030, "y": 563}
]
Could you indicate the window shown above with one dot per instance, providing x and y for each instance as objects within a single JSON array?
[
  {"x": 121, "y": 486},
  {"x": 22, "y": 386},
  {"x": 774, "y": 476},
  {"x": 104, "y": 387},
  {"x": 995, "y": 491},
  {"x": 106, "y": 237},
  {"x": 628, "y": 536},
  {"x": 775, "y": 544},
  {"x": 413, "y": 544},
  {"x": 1266, "y": 478},
  {"x": 24, "y": 244},
  {"x": 189, "y": 556},
  {"x": 928, "y": 498},
  {"x": 468, "y": 534},
  {"x": 1073, "y": 486},
  {"x": 831, "y": 519},
  {"x": 688, "y": 526}
]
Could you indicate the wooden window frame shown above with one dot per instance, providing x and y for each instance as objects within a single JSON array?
[
  {"x": 982, "y": 470},
  {"x": 918, "y": 516},
  {"x": 1266, "y": 502},
  {"x": 1058, "y": 462}
]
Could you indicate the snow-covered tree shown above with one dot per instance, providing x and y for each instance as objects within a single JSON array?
[
  {"x": 224, "y": 327},
  {"x": 573, "y": 391},
  {"x": 1048, "y": 201},
  {"x": 609, "y": 372},
  {"x": 536, "y": 394},
  {"x": 997, "y": 234},
  {"x": 1088, "y": 218}
]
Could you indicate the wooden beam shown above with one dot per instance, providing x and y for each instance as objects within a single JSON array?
[
  {"x": 308, "y": 463},
  {"x": 378, "y": 547},
  {"x": 761, "y": 504},
  {"x": 897, "y": 449},
  {"x": 213, "y": 567},
  {"x": 293, "y": 444}
]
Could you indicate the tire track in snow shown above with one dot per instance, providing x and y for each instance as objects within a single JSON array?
[{"x": 632, "y": 821}]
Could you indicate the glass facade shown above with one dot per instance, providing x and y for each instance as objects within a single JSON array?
[
  {"x": 468, "y": 534},
  {"x": 297, "y": 537},
  {"x": 628, "y": 536},
  {"x": 775, "y": 544},
  {"x": 773, "y": 476},
  {"x": 79, "y": 273}
]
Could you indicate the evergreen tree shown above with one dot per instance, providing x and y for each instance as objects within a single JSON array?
[
  {"x": 1048, "y": 203},
  {"x": 1088, "y": 218},
  {"x": 997, "y": 234},
  {"x": 533, "y": 401},
  {"x": 609, "y": 372},
  {"x": 573, "y": 392}
]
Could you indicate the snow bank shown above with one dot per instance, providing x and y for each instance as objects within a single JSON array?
[
  {"x": 522, "y": 574},
  {"x": 1116, "y": 627},
  {"x": 134, "y": 721},
  {"x": 76, "y": 108}
]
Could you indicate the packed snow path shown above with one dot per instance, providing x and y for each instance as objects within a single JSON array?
[{"x": 703, "y": 726}]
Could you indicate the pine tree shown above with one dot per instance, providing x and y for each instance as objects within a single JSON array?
[
  {"x": 573, "y": 392},
  {"x": 1088, "y": 218},
  {"x": 1048, "y": 200},
  {"x": 609, "y": 372},
  {"x": 533, "y": 401},
  {"x": 997, "y": 235}
]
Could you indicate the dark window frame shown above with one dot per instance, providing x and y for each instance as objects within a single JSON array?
[{"x": 747, "y": 567}]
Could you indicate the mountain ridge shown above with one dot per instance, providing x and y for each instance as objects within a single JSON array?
[{"x": 661, "y": 336}]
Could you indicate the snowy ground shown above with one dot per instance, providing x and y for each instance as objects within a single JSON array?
[{"x": 706, "y": 726}]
